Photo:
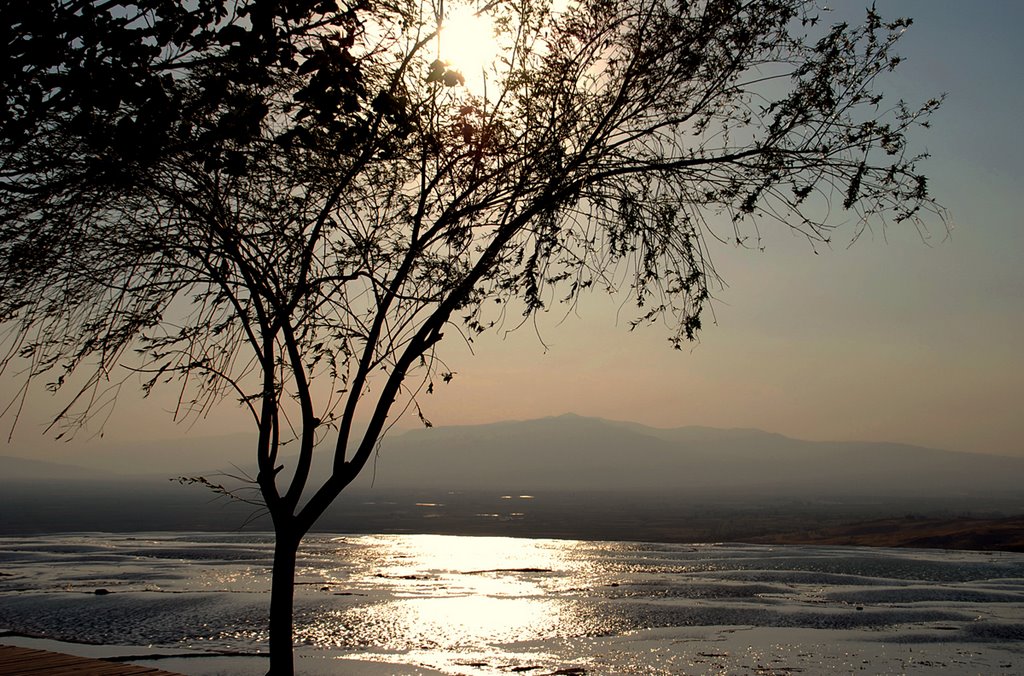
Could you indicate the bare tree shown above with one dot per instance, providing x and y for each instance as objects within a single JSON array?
[{"x": 289, "y": 204}]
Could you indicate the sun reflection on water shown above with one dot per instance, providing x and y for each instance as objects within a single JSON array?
[{"x": 431, "y": 593}]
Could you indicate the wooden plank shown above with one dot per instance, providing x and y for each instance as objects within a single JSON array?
[{"x": 17, "y": 661}]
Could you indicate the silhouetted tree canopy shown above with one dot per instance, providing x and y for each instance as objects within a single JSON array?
[{"x": 248, "y": 197}]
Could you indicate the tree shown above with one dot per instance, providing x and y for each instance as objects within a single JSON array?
[{"x": 289, "y": 204}]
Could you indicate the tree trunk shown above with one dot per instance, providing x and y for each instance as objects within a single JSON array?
[{"x": 282, "y": 593}]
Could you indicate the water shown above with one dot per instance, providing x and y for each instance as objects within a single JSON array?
[{"x": 466, "y": 605}]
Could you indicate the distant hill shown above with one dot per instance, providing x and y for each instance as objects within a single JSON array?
[
  {"x": 161, "y": 457},
  {"x": 569, "y": 477},
  {"x": 586, "y": 454},
  {"x": 24, "y": 469},
  {"x": 573, "y": 453}
]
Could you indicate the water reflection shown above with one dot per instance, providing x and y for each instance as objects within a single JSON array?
[
  {"x": 489, "y": 606},
  {"x": 431, "y": 592}
]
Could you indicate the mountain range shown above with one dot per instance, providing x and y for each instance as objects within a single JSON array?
[
  {"x": 574, "y": 453},
  {"x": 590, "y": 454}
]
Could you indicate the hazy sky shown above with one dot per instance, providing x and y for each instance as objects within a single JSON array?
[{"x": 893, "y": 339}]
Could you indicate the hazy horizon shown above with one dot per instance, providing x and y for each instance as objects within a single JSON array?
[{"x": 572, "y": 453}]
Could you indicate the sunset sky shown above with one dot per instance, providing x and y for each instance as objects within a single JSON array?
[{"x": 897, "y": 338}]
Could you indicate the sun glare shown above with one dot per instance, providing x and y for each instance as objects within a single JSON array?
[{"x": 468, "y": 42}]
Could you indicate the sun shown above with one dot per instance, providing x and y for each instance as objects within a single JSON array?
[{"x": 468, "y": 42}]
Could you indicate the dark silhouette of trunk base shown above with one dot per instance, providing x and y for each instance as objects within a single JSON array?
[{"x": 282, "y": 594}]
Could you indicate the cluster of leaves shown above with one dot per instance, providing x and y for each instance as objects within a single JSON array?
[{"x": 120, "y": 85}]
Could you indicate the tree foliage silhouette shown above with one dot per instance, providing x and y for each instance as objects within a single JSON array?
[{"x": 290, "y": 203}]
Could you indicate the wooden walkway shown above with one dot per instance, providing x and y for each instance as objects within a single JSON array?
[{"x": 16, "y": 661}]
